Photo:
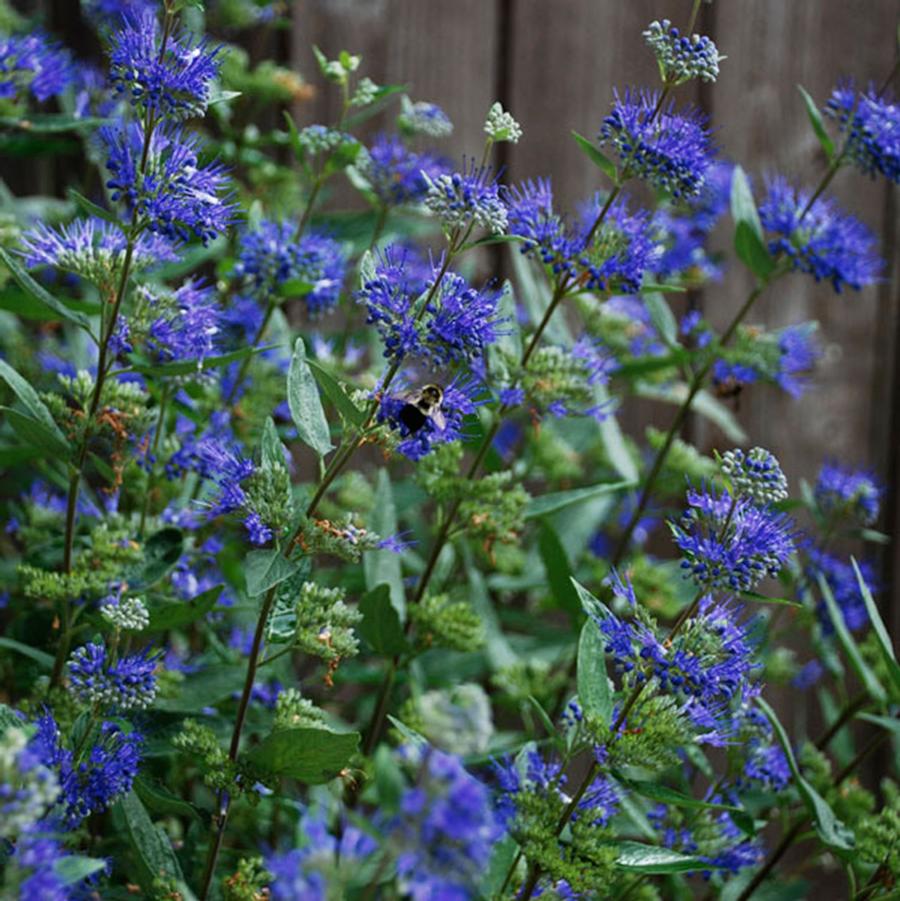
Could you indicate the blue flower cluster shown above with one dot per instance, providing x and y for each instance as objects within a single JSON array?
[
  {"x": 172, "y": 193},
  {"x": 824, "y": 241},
  {"x": 446, "y": 829},
  {"x": 271, "y": 255},
  {"x": 841, "y": 491},
  {"x": 303, "y": 872},
  {"x": 844, "y": 587},
  {"x": 731, "y": 542},
  {"x": 680, "y": 57},
  {"x": 128, "y": 683},
  {"x": 103, "y": 771},
  {"x": 35, "y": 63},
  {"x": 466, "y": 200},
  {"x": 397, "y": 174},
  {"x": 670, "y": 150},
  {"x": 611, "y": 257},
  {"x": 870, "y": 123},
  {"x": 171, "y": 80},
  {"x": 188, "y": 326}
]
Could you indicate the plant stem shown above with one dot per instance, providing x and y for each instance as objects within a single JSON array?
[
  {"x": 244, "y": 703},
  {"x": 245, "y": 363},
  {"x": 151, "y": 481}
]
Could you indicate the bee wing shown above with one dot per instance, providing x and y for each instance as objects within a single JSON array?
[{"x": 440, "y": 421}]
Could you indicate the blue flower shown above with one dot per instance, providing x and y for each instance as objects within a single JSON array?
[
  {"x": 799, "y": 352},
  {"x": 531, "y": 217},
  {"x": 455, "y": 325},
  {"x": 173, "y": 84},
  {"x": 756, "y": 474},
  {"x": 93, "y": 249},
  {"x": 841, "y": 491},
  {"x": 467, "y": 199},
  {"x": 808, "y": 675},
  {"x": 870, "y": 123},
  {"x": 842, "y": 581},
  {"x": 35, "y": 866},
  {"x": 272, "y": 255},
  {"x": 303, "y": 872},
  {"x": 104, "y": 770},
  {"x": 614, "y": 256},
  {"x": 175, "y": 195},
  {"x": 127, "y": 684},
  {"x": 36, "y": 63},
  {"x": 730, "y": 542},
  {"x": 825, "y": 243},
  {"x": 397, "y": 174},
  {"x": 446, "y": 830},
  {"x": 187, "y": 329},
  {"x": 670, "y": 150}
]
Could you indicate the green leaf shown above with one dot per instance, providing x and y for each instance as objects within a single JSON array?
[
  {"x": 305, "y": 403},
  {"x": 831, "y": 830},
  {"x": 663, "y": 318},
  {"x": 815, "y": 119},
  {"x": 544, "y": 717},
  {"x": 749, "y": 242},
  {"x": 35, "y": 434},
  {"x": 270, "y": 446},
  {"x": 881, "y": 633},
  {"x": 202, "y": 689},
  {"x": 637, "y": 857},
  {"x": 606, "y": 165},
  {"x": 492, "y": 239},
  {"x": 309, "y": 755},
  {"x": 161, "y": 801},
  {"x": 559, "y": 573},
  {"x": 30, "y": 400},
  {"x": 265, "y": 569},
  {"x": 704, "y": 404},
  {"x": 752, "y": 251},
  {"x": 614, "y": 441},
  {"x": 295, "y": 287},
  {"x": 662, "y": 793},
  {"x": 91, "y": 208},
  {"x": 41, "y": 294},
  {"x": 591, "y": 606},
  {"x": 743, "y": 206},
  {"x": 336, "y": 394},
  {"x": 51, "y": 123},
  {"x": 162, "y": 550},
  {"x": 502, "y": 856},
  {"x": 891, "y": 723},
  {"x": 848, "y": 643},
  {"x": 73, "y": 868},
  {"x": 380, "y": 624},
  {"x": 183, "y": 613},
  {"x": 39, "y": 657},
  {"x": 560, "y": 500},
  {"x": 765, "y": 599},
  {"x": 383, "y": 566},
  {"x": 150, "y": 842},
  {"x": 410, "y": 735},
  {"x": 593, "y": 684}
]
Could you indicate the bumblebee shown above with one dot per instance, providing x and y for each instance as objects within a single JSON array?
[{"x": 422, "y": 405}]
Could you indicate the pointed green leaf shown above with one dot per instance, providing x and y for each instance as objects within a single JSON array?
[
  {"x": 193, "y": 367},
  {"x": 336, "y": 394},
  {"x": 152, "y": 846},
  {"x": 32, "y": 403},
  {"x": 41, "y": 294},
  {"x": 182, "y": 613},
  {"x": 752, "y": 251},
  {"x": 593, "y": 684},
  {"x": 265, "y": 569},
  {"x": 73, "y": 868},
  {"x": 848, "y": 643},
  {"x": 654, "y": 860},
  {"x": 815, "y": 119},
  {"x": 91, "y": 208},
  {"x": 41, "y": 440},
  {"x": 380, "y": 624},
  {"x": 305, "y": 403},
  {"x": 831, "y": 830},
  {"x": 663, "y": 318},
  {"x": 310, "y": 755},
  {"x": 881, "y": 633},
  {"x": 743, "y": 206},
  {"x": 599, "y": 159},
  {"x": 383, "y": 566},
  {"x": 560, "y": 500},
  {"x": 559, "y": 573},
  {"x": 39, "y": 657}
]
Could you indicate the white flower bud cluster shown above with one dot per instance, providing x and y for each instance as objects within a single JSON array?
[
  {"x": 756, "y": 474},
  {"x": 501, "y": 126},
  {"x": 682, "y": 58},
  {"x": 126, "y": 613},
  {"x": 459, "y": 201}
]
